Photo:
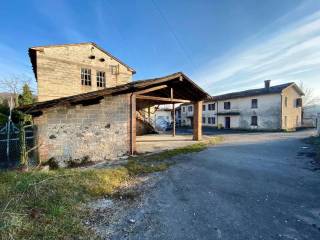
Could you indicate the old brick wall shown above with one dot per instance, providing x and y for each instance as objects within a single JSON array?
[
  {"x": 99, "y": 131},
  {"x": 59, "y": 70}
]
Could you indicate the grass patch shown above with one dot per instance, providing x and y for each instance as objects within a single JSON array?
[
  {"x": 315, "y": 141},
  {"x": 48, "y": 205}
]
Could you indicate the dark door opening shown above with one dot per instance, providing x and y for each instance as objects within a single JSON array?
[
  {"x": 227, "y": 122},
  {"x": 191, "y": 120}
]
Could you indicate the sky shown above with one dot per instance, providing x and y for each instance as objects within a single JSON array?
[{"x": 223, "y": 46}]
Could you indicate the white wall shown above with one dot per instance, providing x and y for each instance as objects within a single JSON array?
[{"x": 268, "y": 112}]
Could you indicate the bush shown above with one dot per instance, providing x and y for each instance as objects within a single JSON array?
[{"x": 74, "y": 163}]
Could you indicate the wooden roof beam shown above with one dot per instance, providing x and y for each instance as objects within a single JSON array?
[
  {"x": 151, "y": 89},
  {"x": 162, "y": 99}
]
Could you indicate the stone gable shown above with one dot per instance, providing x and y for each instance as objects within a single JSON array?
[{"x": 59, "y": 70}]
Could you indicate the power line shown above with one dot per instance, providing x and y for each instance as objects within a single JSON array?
[{"x": 179, "y": 43}]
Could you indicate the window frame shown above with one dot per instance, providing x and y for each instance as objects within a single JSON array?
[
  {"x": 227, "y": 105},
  {"x": 254, "y": 121},
  {"x": 298, "y": 102},
  {"x": 190, "y": 108},
  {"x": 254, "y": 103},
  {"x": 86, "y": 77},
  {"x": 286, "y": 101},
  {"x": 203, "y": 107},
  {"x": 101, "y": 79},
  {"x": 114, "y": 70},
  {"x": 211, "y": 106}
]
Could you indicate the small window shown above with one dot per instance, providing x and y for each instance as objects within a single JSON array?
[
  {"x": 190, "y": 109},
  {"x": 299, "y": 102},
  {"x": 203, "y": 107},
  {"x": 213, "y": 120},
  {"x": 101, "y": 80},
  {"x": 254, "y": 121},
  {"x": 183, "y": 109},
  {"x": 254, "y": 103},
  {"x": 209, "y": 120},
  {"x": 285, "y": 121},
  {"x": 286, "y": 101},
  {"x": 227, "y": 105},
  {"x": 211, "y": 106},
  {"x": 86, "y": 76},
  {"x": 114, "y": 69},
  {"x": 203, "y": 120}
]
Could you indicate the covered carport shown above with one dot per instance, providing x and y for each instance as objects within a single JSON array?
[{"x": 173, "y": 89}]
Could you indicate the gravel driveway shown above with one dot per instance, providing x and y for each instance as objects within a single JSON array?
[{"x": 253, "y": 186}]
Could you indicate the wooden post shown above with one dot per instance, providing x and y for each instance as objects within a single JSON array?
[
  {"x": 133, "y": 116},
  {"x": 174, "y": 121},
  {"x": 149, "y": 114},
  {"x": 197, "y": 121}
]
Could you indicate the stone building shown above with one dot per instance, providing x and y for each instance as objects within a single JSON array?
[
  {"x": 85, "y": 109},
  {"x": 57, "y": 69},
  {"x": 269, "y": 108}
]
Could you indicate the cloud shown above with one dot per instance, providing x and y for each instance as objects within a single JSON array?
[{"x": 290, "y": 54}]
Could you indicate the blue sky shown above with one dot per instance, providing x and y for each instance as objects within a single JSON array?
[{"x": 222, "y": 45}]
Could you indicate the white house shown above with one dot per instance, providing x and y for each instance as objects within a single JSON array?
[{"x": 269, "y": 108}]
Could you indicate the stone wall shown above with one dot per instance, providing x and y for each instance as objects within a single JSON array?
[
  {"x": 99, "y": 131},
  {"x": 59, "y": 70}
]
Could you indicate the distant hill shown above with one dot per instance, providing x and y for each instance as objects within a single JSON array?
[{"x": 4, "y": 96}]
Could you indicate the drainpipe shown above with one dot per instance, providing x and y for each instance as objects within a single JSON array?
[{"x": 217, "y": 113}]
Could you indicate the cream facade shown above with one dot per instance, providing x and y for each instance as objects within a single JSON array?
[
  {"x": 70, "y": 69},
  {"x": 274, "y": 109}
]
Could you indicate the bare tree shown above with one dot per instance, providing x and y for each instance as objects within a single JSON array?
[
  {"x": 309, "y": 97},
  {"x": 13, "y": 85}
]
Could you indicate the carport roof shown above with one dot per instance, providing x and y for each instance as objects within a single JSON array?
[{"x": 183, "y": 88}]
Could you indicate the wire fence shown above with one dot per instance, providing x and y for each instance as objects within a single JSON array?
[{"x": 10, "y": 145}]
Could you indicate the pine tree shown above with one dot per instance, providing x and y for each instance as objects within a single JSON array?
[{"x": 26, "y": 97}]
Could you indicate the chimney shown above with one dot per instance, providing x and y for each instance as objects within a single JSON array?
[{"x": 267, "y": 84}]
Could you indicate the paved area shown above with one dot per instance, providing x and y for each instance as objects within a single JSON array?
[
  {"x": 159, "y": 142},
  {"x": 253, "y": 186}
]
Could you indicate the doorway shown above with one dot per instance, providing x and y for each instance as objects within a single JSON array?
[{"x": 227, "y": 122}]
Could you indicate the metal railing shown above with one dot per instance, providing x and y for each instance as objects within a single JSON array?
[{"x": 10, "y": 144}]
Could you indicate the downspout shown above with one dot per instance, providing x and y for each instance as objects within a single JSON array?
[{"x": 217, "y": 113}]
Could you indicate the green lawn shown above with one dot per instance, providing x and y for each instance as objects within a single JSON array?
[{"x": 49, "y": 205}]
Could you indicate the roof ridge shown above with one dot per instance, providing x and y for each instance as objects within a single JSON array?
[{"x": 85, "y": 43}]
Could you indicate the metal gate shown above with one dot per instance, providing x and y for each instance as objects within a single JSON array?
[{"x": 10, "y": 144}]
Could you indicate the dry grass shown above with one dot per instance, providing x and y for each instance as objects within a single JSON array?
[{"x": 40, "y": 205}]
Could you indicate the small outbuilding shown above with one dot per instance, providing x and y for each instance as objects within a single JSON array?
[{"x": 101, "y": 124}]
